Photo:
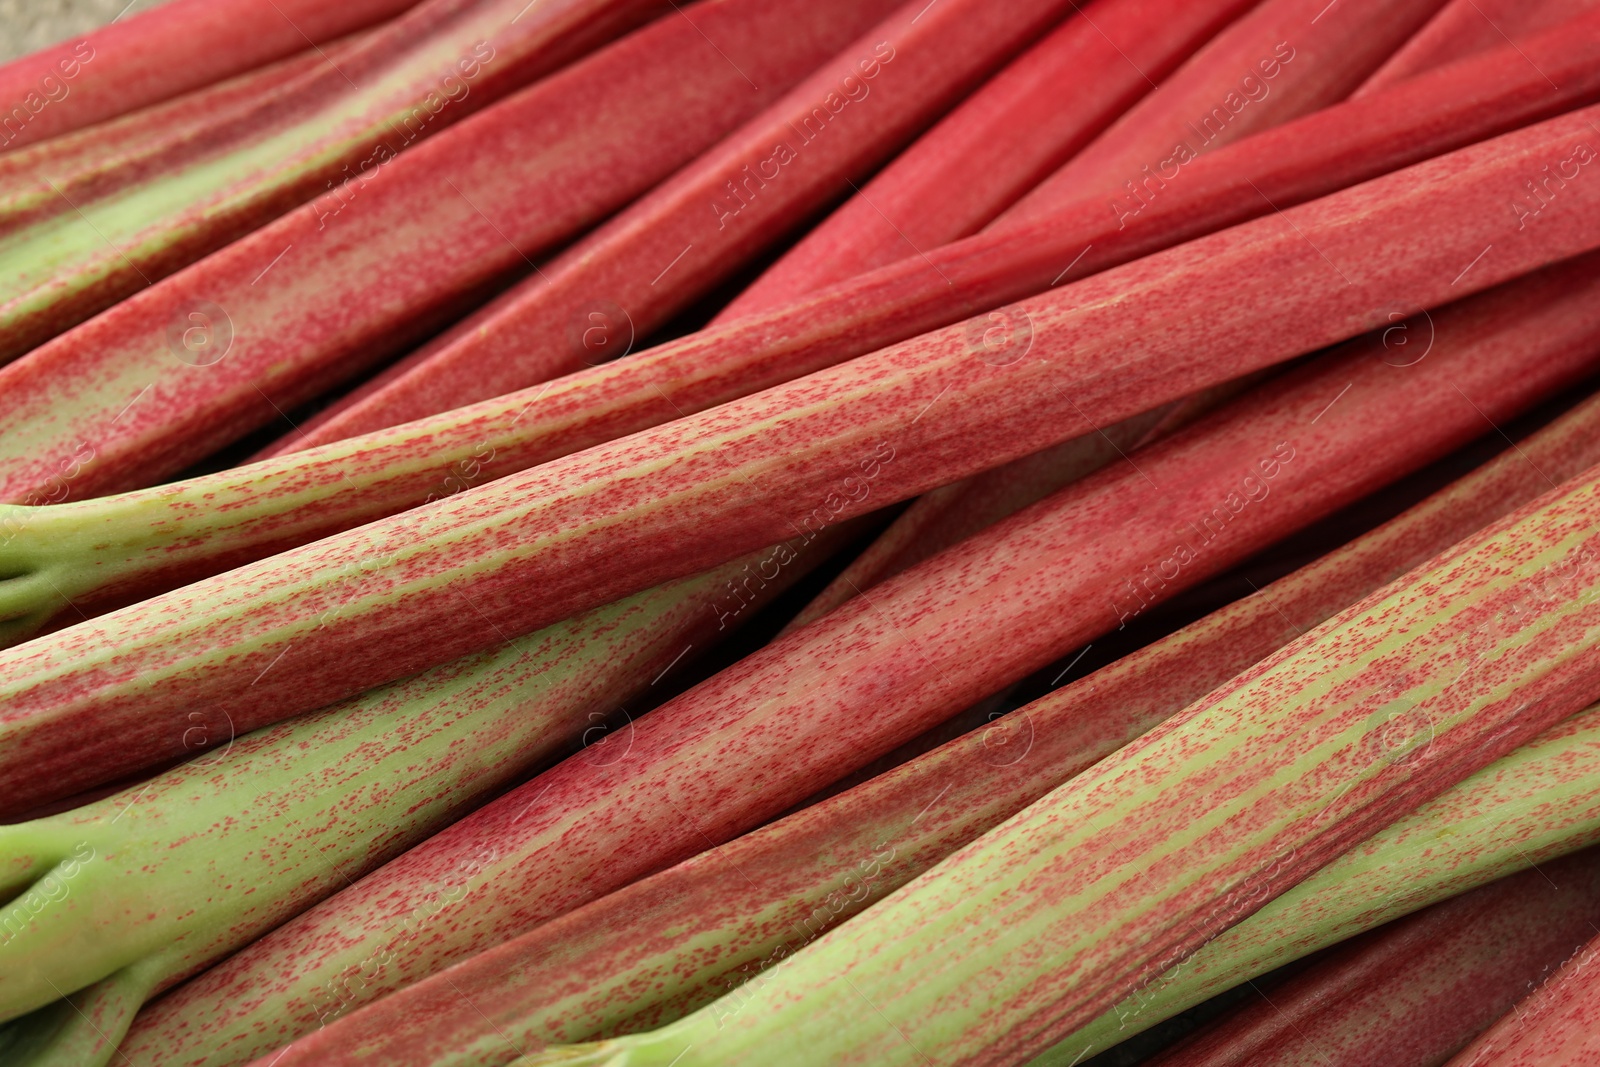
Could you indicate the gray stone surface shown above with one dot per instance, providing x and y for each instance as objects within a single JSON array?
[{"x": 29, "y": 25}]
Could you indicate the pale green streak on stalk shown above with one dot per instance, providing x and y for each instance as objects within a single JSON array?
[
  {"x": 198, "y": 862},
  {"x": 953, "y": 954},
  {"x": 85, "y": 242},
  {"x": 69, "y": 242},
  {"x": 1539, "y": 803}
]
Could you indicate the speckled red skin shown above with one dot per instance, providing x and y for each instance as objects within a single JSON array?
[
  {"x": 1316, "y": 156},
  {"x": 765, "y": 733},
  {"x": 1467, "y": 27},
  {"x": 672, "y": 246},
  {"x": 162, "y": 53},
  {"x": 87, "y": 701},
  {"x": 274, "y": 506},
  {"x": 296, "y": 811},
  {"x": 1111, "y": 879},
  {"x": 434, "y": 225},
  {"x": 105, "y": 142},
  {"x": 1021, "y": 125},
  {"x": 665, "y": 945},
  {"x": 1332, "y": 52},
  {"x": 1418, "y": 989},
  {"x": 1558, "y": 1025},
  {"x": 322, "y": 122},
  {"x": 951, "y": 512}
]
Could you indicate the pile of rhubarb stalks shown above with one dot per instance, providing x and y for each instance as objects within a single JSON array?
[{"x": 802, "y": 532}]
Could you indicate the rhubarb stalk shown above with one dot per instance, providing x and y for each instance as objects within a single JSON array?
[
  {"x": 92, "y": 555},
  {"x": 1467, "y": 27},
  {"x": 333, "y": 795},
  {"x": 77, "y": 246},
  {"x": 796, "y": 458},
  {"x": 611, "y": 967},
  {"x": 105, "y": 142},
  {"x": 1362, "y": 890},
  {"x": 1416, "y": 990},
  {"x": 168, "y": 376},
  {"x": 926, "y": 645},
  {"x": 1043, "y": 923},
  {"x": 1002, "y": 140},
  {"x": 1298, "y": 54},
  {"x": 1552, "y": 1027},
  {"x": 162, "y": 53},
  {"x": 630, "y": 276}
]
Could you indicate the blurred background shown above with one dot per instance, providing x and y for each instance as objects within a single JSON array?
[{"x": 28, "y": 25}]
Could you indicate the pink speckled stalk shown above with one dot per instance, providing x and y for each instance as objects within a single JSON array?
[
  {"x": 1023, "y": 124},
  {"x": 107, "y": 141},
  {"x": 1558, "y": 1025},
  {"x": 158, "y": 54},
  {"x": 1043, "y": 923},
  {"x": 73, "y": 247},
  {"x": 1417, "y": 990},
  {"x": 762, "y": 735},
  {"x": 1507, "y": 824},
  {"x": 301, "y": 299},
  {"x": 630, "y": 276},
  {"x": 177, "y": 872},
  {"x": 646, "y": 954},
  {"x": 1301, "y": 55},
  {"x": 1532, "y": 807},
  {"x": 1467, "y": 27},
  {"x": 104, "y": 553},
  {"x": 955, "y": 511},
  {"x": 322, "y": 622}
]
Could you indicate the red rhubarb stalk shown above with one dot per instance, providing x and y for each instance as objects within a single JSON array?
[
  {"x": 335, "y": 794},
  {"x": 611, "y": 967},
  {"x": 1246, "y": 78},
  {"x": 102, "y": 553},
  {"x": 1045, "y": 922},
  {"x": 793, "y": 459},
  {"x": 1467, "y": 27},
  {"x": 158, "y": 54},
  {"x": 955, "y": 511},
  {"x": 74, "y": 247},
  {"x": 1543, "y": 797},
  {"x": 1419, "y": 989},
  {"x": 1558, "y": 1025},
  {"x": 928, "y": 644},
  {"x": 1003, "y": 139},
  {"x": 1298, "y": 54},
  {"x": 105, "y": 142},
  {"x": 1444, "y": 848},
  {"x": 448, "y": 375},
  {"x": 634, "y": 273},
  {"x": 166, "y": 377}
]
